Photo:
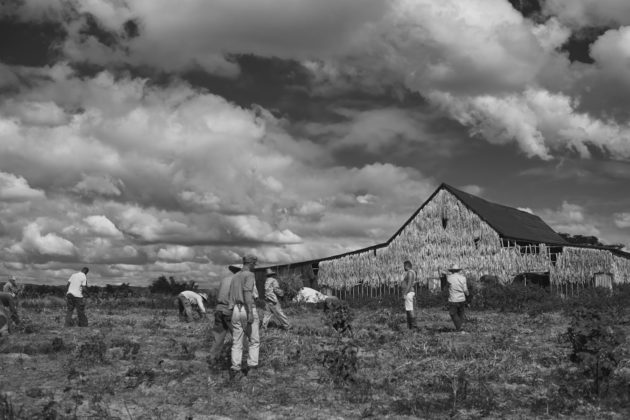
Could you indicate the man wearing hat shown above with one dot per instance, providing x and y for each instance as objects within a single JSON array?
[
  {"x": 186, "y": 300},
  {"x": 244, "y": 317},
  {"x": 409, "y": 282},
  {"x": 11, "y": 287},
  {"x": 222, "y": 316},
  {"x": 272, "y": 304},
  {"x": 457, "y": 293}
]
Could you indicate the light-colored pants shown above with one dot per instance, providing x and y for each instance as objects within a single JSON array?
[
  {"x": 240, "y": 330},
  {"x": 409, "y": 298},
  {"x": 272, "y": 309}
]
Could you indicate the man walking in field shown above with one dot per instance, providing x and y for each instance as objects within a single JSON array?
[
  {"x": 245, "y": 320},
  {"x": 272, "y": 304},
  {"x": 7, "y": 302},
  {"x": 408, "y": 283},
  {"x": 457, "y": 293},
  {"x": 185, "y": 302},
  {"x": 11, "y": 287},
  {"x": 222, "y": 316},
  {"x": 77, "y": 285}
]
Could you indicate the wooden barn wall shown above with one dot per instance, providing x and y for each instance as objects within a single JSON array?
[{"x": 432, "y": 247}]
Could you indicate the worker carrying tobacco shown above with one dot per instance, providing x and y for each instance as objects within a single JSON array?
[
  {"x": 12, "y": 287},
  {"x": 457, "y": 294},
  {"x": 272, "y": 304},
  {"x": 186, "y": 300}
]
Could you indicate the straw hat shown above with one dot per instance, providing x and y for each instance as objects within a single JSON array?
[
  {"x": 270, "y": 272},
  {"x": 204, "y": 296},
  {"x": 234, "y": 269},
  {"x": 454, "y": 267}
]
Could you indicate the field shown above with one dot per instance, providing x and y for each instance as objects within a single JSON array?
[{"x": 137, "y": 362}]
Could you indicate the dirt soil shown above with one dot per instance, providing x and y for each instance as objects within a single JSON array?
[{"x": 141, "y": 363}]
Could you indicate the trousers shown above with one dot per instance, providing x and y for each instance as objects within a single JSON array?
[
  {"x": 72, "y": 303},
  {"x": 456, "y": 310},
  {"x": 274, "y": 309},
  {"x": 240, "y": 330}
]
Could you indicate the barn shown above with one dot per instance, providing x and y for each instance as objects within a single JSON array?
[{"x": 484, "y": 238}]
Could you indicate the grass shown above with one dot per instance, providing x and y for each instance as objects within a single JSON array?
[{"x": 142, "y": 363}]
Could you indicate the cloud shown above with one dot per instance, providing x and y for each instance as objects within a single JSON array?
[
  {"x": 622, "y": 220},
  {"x": 472, "y": 189},
  {"x": 176, "y": 253},
  {"x": 589, "y": 13},
  {"x": 16, "y": 188},
  {"x": 98, "y": 184},
  {"x": 49, "y": 244},
  {"x": 102, "y": 226},
  {"x": 539, "y": 121},
  {"x": 571, "y": 218}
]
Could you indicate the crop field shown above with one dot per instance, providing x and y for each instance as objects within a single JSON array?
[{"x": 137, "y": 362}]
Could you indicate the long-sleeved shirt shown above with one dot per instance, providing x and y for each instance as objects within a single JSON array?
[
  {"x": 272, "y": 287},
  {"x": 11, "y": 288},
  {"x": 194, "y": 299},
  {"x": 223, "y": 297},
  {"x": 457, "y": 288}
]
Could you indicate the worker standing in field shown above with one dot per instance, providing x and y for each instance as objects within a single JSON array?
[
  {"x": 222, "y": 316},
  {"x": 457, "y": 293},
  {"x": 408, "y": 284},
  {"x": 186, "y": 300},
  {"x": 272, "y": 304},
  {"x": 10, "y": 307},
  {"x": 245, "y": 321},
  {"x": 12, "y": 287},
  {"x": 75, "y": 299}
]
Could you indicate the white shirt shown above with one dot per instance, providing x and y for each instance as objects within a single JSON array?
[
  {"x": 457, "y": 289},
  {"x": 75, "y": 284},
  {"x": 194, "y": 299}
]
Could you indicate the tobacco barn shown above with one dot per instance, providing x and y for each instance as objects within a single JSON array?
[{"x": 484, "y": 238}]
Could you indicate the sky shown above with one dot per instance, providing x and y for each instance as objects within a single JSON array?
[{"x": 141, "y": 139}]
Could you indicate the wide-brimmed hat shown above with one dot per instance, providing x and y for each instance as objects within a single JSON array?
[
  {"x": 270, "y": 272},
  {"x": 249, "y": 258},
  {"x": 12, "y": 278},
  {"x": 454, "y": 267},
  {"x": 234, "y": 269},
  {"x": 204, "y": 296}
]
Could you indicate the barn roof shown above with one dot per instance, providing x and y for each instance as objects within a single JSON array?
[{"x": 509, "y": 222}]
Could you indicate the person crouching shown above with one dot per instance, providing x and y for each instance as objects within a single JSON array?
[{"x": 185, "y": 302}]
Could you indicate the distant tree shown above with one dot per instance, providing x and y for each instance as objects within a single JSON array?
[
  {"x": 588, "y": 240},
  {"x": 171, "y": 286}
]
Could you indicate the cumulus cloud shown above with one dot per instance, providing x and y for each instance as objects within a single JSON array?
[
  {"x": 176, "y": 253},
  {"x": 585, "y": 13},
  {"x": 571, "y": 218},
  {"x": 472, "y": 189},
  {"x": 98, "y": 184},
  {"x": 49, "y": 244},
  {"x": 539, "y": 121},
  {"x": 622, "y": 220},
  {"x": 102, "y": 226},
  {"x": 16, "y": 188}
]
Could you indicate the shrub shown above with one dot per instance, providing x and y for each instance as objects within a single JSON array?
[
  {"x": 171, "y": 286},
  {"x": 596, "y": 345}
]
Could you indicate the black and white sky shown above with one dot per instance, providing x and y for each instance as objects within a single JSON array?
[{"x": 150, "y": 137}]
